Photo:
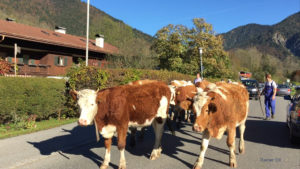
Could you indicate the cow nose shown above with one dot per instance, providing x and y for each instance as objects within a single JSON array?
[
  {"x": 196, "y": 128},
  {"x": 82, "y": 122}
]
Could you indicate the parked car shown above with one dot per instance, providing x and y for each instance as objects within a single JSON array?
[
  {"x": 252, "y": 87},
  {"x": 293, "y": 117},
  {"x": 261, "y": 86},
  {"x": 283, "y": 90}
]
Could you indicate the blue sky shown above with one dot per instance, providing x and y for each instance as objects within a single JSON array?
[{"x": 149, "y": 16}]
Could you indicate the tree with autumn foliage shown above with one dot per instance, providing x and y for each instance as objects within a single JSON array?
[
  {"x": 177, "y": 48},
  {"x": 4, "y": 67}
]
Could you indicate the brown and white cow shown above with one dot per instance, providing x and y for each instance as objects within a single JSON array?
[
  {"x": 184, "y": 97},
  {"x": 175, "y": 110},
  {"x": 115, "y": 109},
  {"x": 220, "y": 108},
  {"x": 179, "y": 83}
]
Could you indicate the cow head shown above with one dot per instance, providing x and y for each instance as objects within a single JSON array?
[
  {"x": 203, "y": 109},
  {"x": 86, "y": 99}
]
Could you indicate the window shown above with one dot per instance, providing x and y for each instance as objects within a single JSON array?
[
  {"x": 31, "y": 62},
  {"x": 26, "y": 59},
  {"x": 9, "y": 59},
  {"x": 20, "y": 61},
  {"x": 60, "y": 61}
]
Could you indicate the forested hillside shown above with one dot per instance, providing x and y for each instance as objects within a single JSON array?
[
  {"x": 71, "y": 14},
  {"x": 266, "y": 48},
  {"x": 278, "y": 39}
]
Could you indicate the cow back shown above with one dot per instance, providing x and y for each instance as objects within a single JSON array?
[{"x": 130, "y": 103}]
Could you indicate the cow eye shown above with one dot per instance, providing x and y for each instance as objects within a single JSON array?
[
  {"x": 92, "y": 104},
  {"x": 206, "y": 111}
]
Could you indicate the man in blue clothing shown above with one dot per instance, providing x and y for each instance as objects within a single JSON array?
[{"x": 270, "y": 93}]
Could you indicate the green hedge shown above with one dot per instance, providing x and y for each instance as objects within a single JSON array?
[
  {"x": 20, "y": 98},
  {"x": 94, "y": 78}
]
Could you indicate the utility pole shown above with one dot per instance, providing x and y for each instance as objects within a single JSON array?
[
  {"x": 201, "y": 66},
  {"x": 15, "y": 56},
  {"x": 87, "y": 33}
]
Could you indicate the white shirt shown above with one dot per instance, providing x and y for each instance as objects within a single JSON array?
[
  {"x": 197, "y": 80},
  {"x": 274, "y": 85}
]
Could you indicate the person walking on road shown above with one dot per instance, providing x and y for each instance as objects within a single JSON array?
[{"x": 270, "y": 93}]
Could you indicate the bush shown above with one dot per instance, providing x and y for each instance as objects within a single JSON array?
[
  {"x": 4, "y": 67},
  {"x": 21, "y": 98},
  {"x": 93, "y": 78},
  {"x": 81, "y": 77}
]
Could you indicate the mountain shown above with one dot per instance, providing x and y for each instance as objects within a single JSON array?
[
  {"x": 71, "y": 14},
  {"x": 280, "y": 40},
  {"x": 266, "y": 48}
]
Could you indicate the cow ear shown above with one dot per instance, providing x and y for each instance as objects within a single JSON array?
[
  {"x": 212, "y": 108},
  {"x": 73, "y": 93}
]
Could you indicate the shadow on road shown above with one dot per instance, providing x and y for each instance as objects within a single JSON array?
[
  {"x": 271, "y": 133},
  {"x": 73, "y": 143}
]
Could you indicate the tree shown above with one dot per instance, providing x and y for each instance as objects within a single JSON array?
[{"x": 177, "y": 48}]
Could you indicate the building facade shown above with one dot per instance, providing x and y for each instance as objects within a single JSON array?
[{"x": 42, "y": 52}]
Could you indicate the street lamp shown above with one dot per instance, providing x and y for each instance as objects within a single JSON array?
[
  {"x": 87, "y": 33},
  {"x": 201, "y": 66}
]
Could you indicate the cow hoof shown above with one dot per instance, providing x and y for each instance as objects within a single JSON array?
[
  {"x": 196, "y": 166},
  {"x": 122, "y": 167},
  {"x": 242, "y": 151},
  {"x": 103, "y": 166},
  {"x": 153, "y": 157},
  {"x": 155, "y": 154},
  {"x": 233, "y": 164}
]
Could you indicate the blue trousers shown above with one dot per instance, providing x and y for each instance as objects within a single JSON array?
[{"x": 269, "y": 103}]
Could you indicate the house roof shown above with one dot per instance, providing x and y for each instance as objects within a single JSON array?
[{"x": 25, "y": 32}]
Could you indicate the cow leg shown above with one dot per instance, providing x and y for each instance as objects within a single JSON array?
[
  {"x": 142, "y": 134},
  {"x": 158, "y": 129},
  {"x": 189, "y": 116},
  {"x": 121, "y": 145},
  {"x": 242, "y": 144},
  {"x": 107, "y": 143},
  {"x": 132, "y": 136},
  {"x": 185, "y": 115},
  {"x": 231, "y": 144},
  {"x": 170, "y": 126},
  {"x": 97, "y": 131},
  {"x": 205, "y": 140}
]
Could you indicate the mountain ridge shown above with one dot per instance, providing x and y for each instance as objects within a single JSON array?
[{"x": 279, "y": 38}]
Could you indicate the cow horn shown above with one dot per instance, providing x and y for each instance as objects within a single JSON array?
[
  {"x": 97, "y": 90},
  {"x": 75, "y": 91}
]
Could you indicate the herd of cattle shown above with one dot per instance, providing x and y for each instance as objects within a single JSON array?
[{"x": 218, "y": 107}]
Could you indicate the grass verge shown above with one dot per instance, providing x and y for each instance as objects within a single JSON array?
[{"x": 7, "y": 131}]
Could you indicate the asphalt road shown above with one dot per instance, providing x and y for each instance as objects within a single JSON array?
[{"x": 266, "y": 146}]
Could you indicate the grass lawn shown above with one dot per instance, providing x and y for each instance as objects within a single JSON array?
[{"x": 12, "y": 130}]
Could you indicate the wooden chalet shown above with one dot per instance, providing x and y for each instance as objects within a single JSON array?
[{"x": 43, "y": 52}]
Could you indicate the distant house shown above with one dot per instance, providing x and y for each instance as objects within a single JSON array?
[{"x": 48, "y": 53}]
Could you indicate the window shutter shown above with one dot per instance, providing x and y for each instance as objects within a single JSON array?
[
  {"x": 26, "y": 58},
  {"x": 9, "y": 59},
  {"x": 56, "y": 60},
  {"x": 66, "y": 61},
  {"x": 20, "y": 60},
  {"x": 32, "y": 62}
]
